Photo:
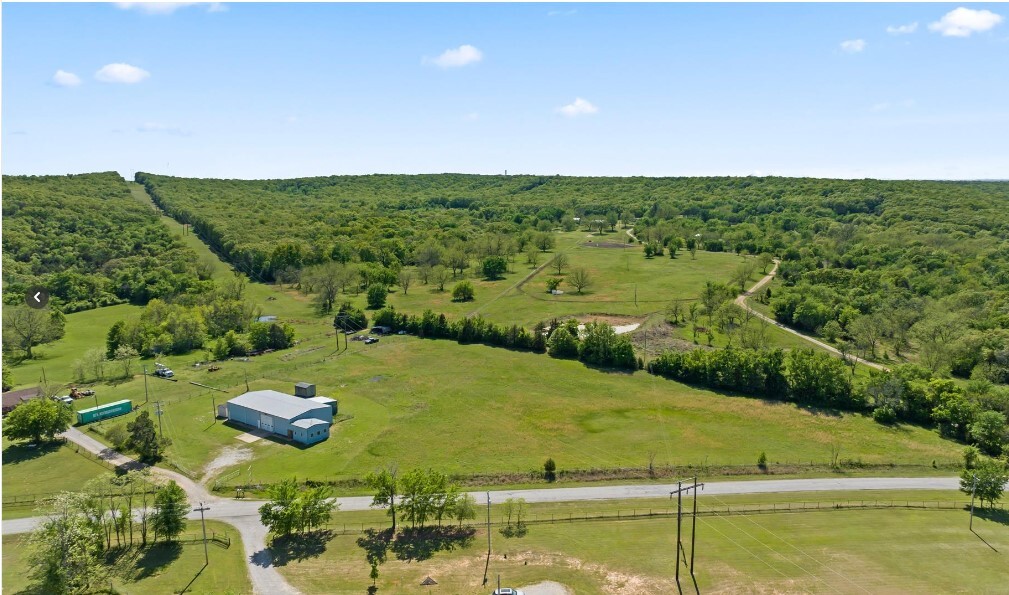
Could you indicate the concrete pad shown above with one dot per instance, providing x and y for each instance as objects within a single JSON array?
[{"x": 252, "y": 436}]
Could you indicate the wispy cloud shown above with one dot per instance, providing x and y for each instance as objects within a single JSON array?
[
  {"x": 561, "y": 13},
  {"x": 169, "y": 7},
  {"x": 63, "y": 78},
  {"x": 121, "y": 73},
  {"x": 454, "y": 58},
  {"x": 902, "y": 29},
  {"x": 471, "y": 117},
  {"x": 853, "y": 46},
  {"x": 162, "y": 128},
  {"x": 580, "y": 107},
  {"x": 963, "y": 22}
]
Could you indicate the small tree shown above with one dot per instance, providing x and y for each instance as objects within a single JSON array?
[
  {"x": 376, "y": 296},
  {"x": 762, "y": 461},
  {"x": 559, "y": 262},
  {"x": 405, "y": 278},
  {"x": 562, "y": 344},
  {"x": 126, "y": 355},
  {"x": 544, "y": 241},
  {"x": 553, "y": 283},
  {"x": 991, "y": 477},
  {"x": 494, "y": 267},
  {"x": 532, "y": 256},
  {"x": 580, "y": 278},
  {"x": 37, "y": 420},
  {"x": 170, "y": 509},
  {"x": 385, "y": 483},
  {"x": 440, "y": 276},
  {"x": 550, "y": 470},
  {"x": 143, "y": 438},
  {"x": 282, "y": 514},
  {"x": 465, "y": 508},
  {"x": 463, "y": 292},
  {"x": 970, "y": 457}
]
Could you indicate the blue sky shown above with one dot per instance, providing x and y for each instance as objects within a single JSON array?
[{"x": 285, "y": 90}]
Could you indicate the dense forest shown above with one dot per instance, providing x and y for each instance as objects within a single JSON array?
[
  {"x": 885, "y": 269},
  {"x": 90, "y": 243}
]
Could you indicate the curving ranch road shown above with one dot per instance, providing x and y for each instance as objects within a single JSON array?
[{"x": 741, "y": 301}]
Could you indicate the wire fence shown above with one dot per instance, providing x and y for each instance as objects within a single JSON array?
[{"x": 705, "y": 510}]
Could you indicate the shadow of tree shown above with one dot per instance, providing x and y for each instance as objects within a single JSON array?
[
  {"x": 137, "y": 563},
  {"x": 20, "y": 453},
  {"x": 299, "y": 547},
  {"x": 423, "y": 542},
  {"x": 375, "y": 544},
  {"x": 998, "y": 515}
]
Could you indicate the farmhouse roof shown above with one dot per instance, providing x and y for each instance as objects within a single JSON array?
[
  {"x": 277, "y": 404},
  {"x": 14, "y": 397}
]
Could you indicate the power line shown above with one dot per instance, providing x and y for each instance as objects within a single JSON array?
[{"x": 800, "y": 550}]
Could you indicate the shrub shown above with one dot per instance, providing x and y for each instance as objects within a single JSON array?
[
  {"x": 884, "y": 414},
  {"x": 376, "y": 296},
  {"x": 118, "y": 436},
  {"x": 463, "y": 292},
  {"x": 762, "y": 461}
]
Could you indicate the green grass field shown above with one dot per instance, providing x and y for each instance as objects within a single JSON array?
[
  {"x": 415, "y": 402},
  {"x": 888, "y": 550},
  {"x": 34, "y": 472},
  {"x": 162, "y": 569}
]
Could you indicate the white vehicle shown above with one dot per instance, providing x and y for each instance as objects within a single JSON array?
[{"x": 507, "y": 591}]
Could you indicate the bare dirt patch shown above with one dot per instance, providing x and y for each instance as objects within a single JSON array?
[
  {"x": 660, "y": 337},
  {"x": 229, "y": 455},
  {"x": 610, "y": 319}
]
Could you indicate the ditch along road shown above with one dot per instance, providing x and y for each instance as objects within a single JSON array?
[{"x": 741, "y": 302}]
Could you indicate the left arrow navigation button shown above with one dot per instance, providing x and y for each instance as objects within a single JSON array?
[{"x": 37, "y": 297}]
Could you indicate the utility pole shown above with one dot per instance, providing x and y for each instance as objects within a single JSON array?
[
  {"x": 246, "y": 381},
  {"x": 206, "y": 555},
  {"x": 213, "y": 403},
  {"x": 973, "y": 488},
  {"x": 487, "y": 566},
  {"x": 679, "y": 517},
  {"x": 146, "y": 398},
  {"x": 160, "y": 426}
]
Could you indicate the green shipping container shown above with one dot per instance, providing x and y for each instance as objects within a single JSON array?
[{"x": 86, "y": 416}]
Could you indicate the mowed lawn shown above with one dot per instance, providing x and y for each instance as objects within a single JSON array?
[
  {"x": 164, "y": 569},
  {"x": 41, "y": 471},
  {"x": 473, "y": 409},
  {"x": 878, "y": 551}
]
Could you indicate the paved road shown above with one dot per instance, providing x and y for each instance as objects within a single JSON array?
[
  {"x": 244, "y": 516},
  {"x": 741, "y": 301},
  {"x": 244, "y": 513}
]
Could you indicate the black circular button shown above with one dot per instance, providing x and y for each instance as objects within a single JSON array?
[{"x": 37, "y": 297}]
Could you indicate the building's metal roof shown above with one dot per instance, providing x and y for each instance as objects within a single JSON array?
[
  {"x": 276, "y": 404},
  {"x": 308, "y": 423}
]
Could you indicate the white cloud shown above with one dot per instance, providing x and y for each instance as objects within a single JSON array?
[
  {"x": 561, "y": 13},
  {"x": 121, "y": 73},
  {"x": 163, "y": 128},
  {"x": 168, "y": 7},
  {"x": 902, "y": 29},
  {"x": 853, "y": 46},
  {"x": 580, "y": 107},
  {"x": 460, "y": 56},
  {"x": 63, "y": 78},
  {"x": 962, "y": 22}
]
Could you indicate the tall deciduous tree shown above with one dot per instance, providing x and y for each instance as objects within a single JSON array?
[
  {"x": 63, "y": 553},
  {"x": 385, "y": 484},
  {"x": 38, "y": 419},
  {"x": 171, "y": 505},
  {"x": 143, "y": 439},
  {"x": 580, "y": 278},
  {"x": 25, "y": 328}
]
